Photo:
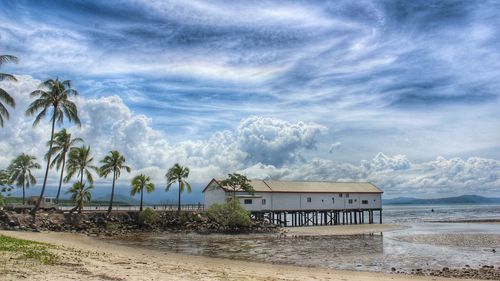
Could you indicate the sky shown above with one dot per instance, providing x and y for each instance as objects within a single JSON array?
[{"x": 404, "y": 94}]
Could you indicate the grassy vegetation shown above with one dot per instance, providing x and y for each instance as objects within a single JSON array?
[{"x": 25, "y": 249}]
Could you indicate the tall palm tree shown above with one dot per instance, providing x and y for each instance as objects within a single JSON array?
[
  {"x": 79, "y": 163},
  {"x": 139, "y": 183},
  {"x": 4, "y": 96},
  {"x": 53, "y": 97},
  {"x": 114, "y": 162},
  {"x": 80, "y": 195},
  {"x": 20, "y": 172},
  {"x": 177, "y": 173},
  {"x": 61, "y": 145}
]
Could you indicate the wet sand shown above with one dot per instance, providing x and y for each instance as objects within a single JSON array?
[
  {"x": 342, "y": 230},
  {"x": 91, "y": 259},
  {"x": 478, "y": 240}
]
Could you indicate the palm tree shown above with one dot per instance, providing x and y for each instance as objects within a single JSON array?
[
  {"x": 20, "y": 172},
  {"x": 177, "y": 173},
  {"x": 4, "y": 96},
  {"x": 138, "y": 184},
  {"x": 53, "y": 97},
  {"x": 80, "y": 163},
  {"x": 113, "y": 163},
  {"x": 80, "y": 195},
  {"x": 61, "y": 145}
]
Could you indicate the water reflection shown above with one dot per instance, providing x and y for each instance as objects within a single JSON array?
[
  {"x": 305, "y": 251},
  {"x": 419, "y": 246}
]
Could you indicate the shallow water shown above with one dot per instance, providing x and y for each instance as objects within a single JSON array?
[{"x": 421, "y": 245}]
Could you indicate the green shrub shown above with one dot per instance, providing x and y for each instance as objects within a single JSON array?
[
  {"x": 25, "y": 249},
  {"x": 230, "y": 214},
  {"x": 148, "y": 217},
  {"x": 2, "y": 203}
]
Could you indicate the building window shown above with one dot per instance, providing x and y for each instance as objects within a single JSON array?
[
  {"x": 364, "y": 202},
  {"x": 347, "y": 196},
  {"x": 263, "y": 201},
  {"x": 340, "y": 195},
  {"x": 333, "y": 200},
  {"x": 248, "y": 201},
  {"x": 350, "y": 201},
  {"x": 355, "y": 200},
  {"x": 309, "y": 199}
]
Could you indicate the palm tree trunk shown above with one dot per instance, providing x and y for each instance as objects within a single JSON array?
[
  {"x": 60, "y": 179},
  {"x": 80, "y": 207},
  {"x": 37, "y": 206},
  {"x": 81, "y": 176},
  {"x": 179, "y": 203},
  {"x": 23, "y": 194},
  {"x": 112, "y": 194},
  {"x": 142, "y": 197}
]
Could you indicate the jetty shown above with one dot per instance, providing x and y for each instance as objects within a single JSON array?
[{"x": 304, "y": 203}]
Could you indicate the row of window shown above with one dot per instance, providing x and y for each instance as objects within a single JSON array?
[{"x": 309, "y": 200}]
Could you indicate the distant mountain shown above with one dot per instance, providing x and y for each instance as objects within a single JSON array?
[
  {"x": 464, "y": 199},
  {"x": 118, "y": 198}
]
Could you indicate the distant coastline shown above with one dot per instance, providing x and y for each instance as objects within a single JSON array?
[{"x": 464, "y": 199}]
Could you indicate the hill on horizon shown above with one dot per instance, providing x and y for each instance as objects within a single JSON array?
[{"x": 463, "y": 199}]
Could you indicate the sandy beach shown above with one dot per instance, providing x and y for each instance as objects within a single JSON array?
[{"x": 91, "y": 259}]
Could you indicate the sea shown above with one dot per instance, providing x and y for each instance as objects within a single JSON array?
[{"x": 429, "y": 237}]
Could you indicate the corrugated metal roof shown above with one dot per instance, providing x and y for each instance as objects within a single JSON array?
[
  {"x": 258, "y": 186},
  {"x": 322, "y": 186},
  {"x": 309, "y": 186}
]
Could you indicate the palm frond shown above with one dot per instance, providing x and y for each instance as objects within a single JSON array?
[
  {"x": 8, "y": 58},
  {"x": 7, "y": 77},
  {"x": 6, "y": 98}
]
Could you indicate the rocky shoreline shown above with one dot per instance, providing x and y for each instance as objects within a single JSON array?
[
  {"x": 120, "y": 223},
  {"x": 486, "y": 272},
  {"x": 125, "y": 225}
]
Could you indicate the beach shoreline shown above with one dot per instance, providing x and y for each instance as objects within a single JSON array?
[{"x": 99, "y": 260}]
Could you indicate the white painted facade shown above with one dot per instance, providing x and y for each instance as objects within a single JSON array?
[{"x": 288, "y": 201}]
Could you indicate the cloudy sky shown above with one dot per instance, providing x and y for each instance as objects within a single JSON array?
[{"x": 404, "y": 94}]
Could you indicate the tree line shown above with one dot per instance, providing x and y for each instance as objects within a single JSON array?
[{"x": 53, "y": 100}]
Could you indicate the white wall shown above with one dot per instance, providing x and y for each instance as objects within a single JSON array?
[
  {"x": 256, "y": 200},
  {"x": 213, "y": 196},
  {"x": 298, "y": 201}
]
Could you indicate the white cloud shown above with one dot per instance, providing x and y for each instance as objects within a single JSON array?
[
  {"x": 260, "y": 147},
  {"x": 397, "y": 175}
]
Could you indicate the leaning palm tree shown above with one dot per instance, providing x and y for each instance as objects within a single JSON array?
[
  {"x": 20, "y": 172},
  {"x": 114, "y": 162},
  {"x": 177, "y": 173},
  {"x": 4, "y": 96},
  {"x": 61, "y": 145},
  {"x": 139, "y": 183},
  {"x": 79, "y": 163},
  {"x": 53, "y": 97},
  {"x": 80, "y": 195}
]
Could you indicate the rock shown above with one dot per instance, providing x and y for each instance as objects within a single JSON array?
[{"x": 393, "y": 269}]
